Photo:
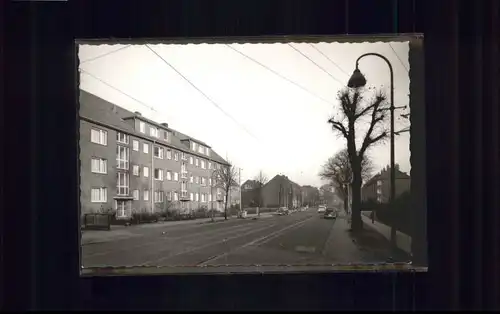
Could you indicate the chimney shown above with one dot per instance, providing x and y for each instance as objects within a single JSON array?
[
  {"x": 165, "y": 124},
  {"x": 137, "y": 113}
]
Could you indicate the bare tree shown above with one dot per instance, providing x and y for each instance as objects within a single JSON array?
[
  {"x": 354, "y": 112},
  {"x": 337, "y": 170},
  {"x": 260, "y": 181},
  {"x": 226, "y": 177}
]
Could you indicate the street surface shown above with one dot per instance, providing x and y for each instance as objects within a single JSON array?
[{"x": 301, "y": 238}]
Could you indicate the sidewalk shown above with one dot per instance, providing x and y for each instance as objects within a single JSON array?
[
  {"x": 119, "y": 232},
  {"x": 403, "y": 241}
]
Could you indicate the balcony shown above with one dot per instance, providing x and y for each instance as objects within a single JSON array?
[
  {"x": 184, "y": 174},
  {"x": 184, "y": 196},
  {"x": 219, "y": 198}
]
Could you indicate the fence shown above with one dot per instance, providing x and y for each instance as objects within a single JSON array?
[{"x": 97, "y": 221}]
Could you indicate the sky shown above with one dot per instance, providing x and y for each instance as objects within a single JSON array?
[{"x": 266, "y": 114}]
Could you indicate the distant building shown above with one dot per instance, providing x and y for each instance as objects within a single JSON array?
[
  {"x": 378, "y": 188},
  {"x": 310, "y": 195},
  {"x": 328, "y": 196},
  {"x": 280, "y": 191}
]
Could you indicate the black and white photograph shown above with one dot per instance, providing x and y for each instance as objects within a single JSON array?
[{"x": 286, "y": 156}]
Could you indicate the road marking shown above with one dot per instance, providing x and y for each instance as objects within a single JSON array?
[
  {"x": 262, "y": 240},
  {"x": 163, "y": 239},
  {"x": 206, "y": 245}
]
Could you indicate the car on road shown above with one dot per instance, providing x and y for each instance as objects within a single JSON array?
[
  {"x": 282, "y": 211},
  {"x": 330, "y": 213},
  {"x": 321, "y": 209}
]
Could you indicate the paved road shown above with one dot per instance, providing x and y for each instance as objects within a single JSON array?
[{"x": 302, "y": 238}]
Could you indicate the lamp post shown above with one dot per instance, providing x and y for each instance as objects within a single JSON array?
[{"x": 358, "y": 80}]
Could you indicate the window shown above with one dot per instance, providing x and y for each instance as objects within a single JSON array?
[
  {"x": 190, "y": 160},
  {"x": 191, "y": 196},
  {"x": 169, "y": 175},
  {"x": 142, "y": 127},
  {"x": 201, "y": 149},
  {"x": 158, "y": 152},
  {"x": 169, "y": 196},
  {"x": 210, "y": 181},
  {"x": 135, "y": 145},
  {"x": 153, "y": 132},
  {"x": 158, "y": 196},
  {"x": 122, "y": 184},
  {"x": 197, "y": 197},
  {"x": 165, "y": 135},
  {"x": 169, "y": 154},
  {"x": 99, "y": 137},
  {"x": 207, "y": 151},
  {"x": 99, "y": 195},
  {"x": 176, "y": 196},
  {"x": 146, "y": 195},
  {"x": 379, "y": 183},
  {"x": 209, "y": 197},
  {"x": 145, "y": 148},
  {"x": 197, "y": 180},
  {"x": 176, "y": 176},
  {"x": 202, "y": 164},
  {"x": 135, "y": 170},
  {"x": 99, "y": 165},
  {"x": 146, "y": 172},
  {"x": 209, "y": 165},
  {"x": 203, "y": 181},
  {"x": 135, "y": 194},
  {"x": 176, "y": 156},
  {"x": 184, "y": 156},
  {"x": 196, "y": 162},
  {"x": 194, "y": 146},
  {"x": 121, "y": 208},
  {"x": 122, "y": 138},
  {"x": 122, "y": 157},
  {"x": 191, "y": 179},
  {"x": 202, "y": 198},
  {"x": 158, "y": 174}
]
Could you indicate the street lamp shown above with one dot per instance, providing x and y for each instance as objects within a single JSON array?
[{"x": 358, "y": 80}]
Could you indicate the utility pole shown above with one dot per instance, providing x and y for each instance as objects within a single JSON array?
[{"x": 239, "y": 187}]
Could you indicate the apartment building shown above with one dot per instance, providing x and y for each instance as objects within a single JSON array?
[
  {"x": 130, "y": 163},
  {"x": 378, "y": 187}
]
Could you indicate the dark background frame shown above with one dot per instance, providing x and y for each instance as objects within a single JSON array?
[{"x": 39, "y": 238}]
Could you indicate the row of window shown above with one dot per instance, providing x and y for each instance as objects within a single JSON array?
[
  {"x": 100, "y": 137},
  {"x": 100, "y": 165},
  {"x": 100, "y": 195},
  {"x": 154, "y": 131}
]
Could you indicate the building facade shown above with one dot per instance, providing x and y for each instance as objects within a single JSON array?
[
  {"x": 310, "y": 195},
  {"x": 129, "y": 163},
  {"x": 281, "y": 192},
  {"x": 378, "y": 187}
]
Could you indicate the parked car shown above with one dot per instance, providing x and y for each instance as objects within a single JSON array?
[
  {"x": 283, "y": 211},
  {"x": 330, "y": 213},
  {"x": 321, "y": 209}
]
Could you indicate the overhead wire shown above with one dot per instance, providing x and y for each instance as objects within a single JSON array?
[
  {"x": 202, "y": 93},
  {"x": 281, "y": 76}
]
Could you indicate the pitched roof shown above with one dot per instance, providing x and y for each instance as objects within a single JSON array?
[
  {"x": 284, "y": 178},
  {"x": 385, "y": 175},
  {"x": 97, "y": 109}
]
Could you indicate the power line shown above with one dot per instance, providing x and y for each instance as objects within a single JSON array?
[
  {"x": 397, "y": 56},
  {"x": 281, "y": 76},
  {"x": 201, "y": 92},
  {"x": 118, "y": 90},
  {"x": 324, "y": 55},
  {"x": 320, "y": 67},
  {"x": 105, "y": 54}
]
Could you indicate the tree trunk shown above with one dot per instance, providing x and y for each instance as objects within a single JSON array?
[
  {"x": 346, "y": 199},
  {"x": 356, "y": 222},
  {"x": 225, "y": 206}
]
